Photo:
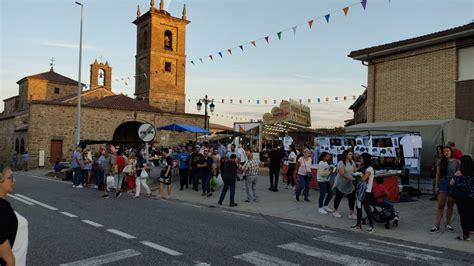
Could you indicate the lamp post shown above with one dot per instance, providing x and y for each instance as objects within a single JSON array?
[
  {"x": 79, "y": 84},
  {"x": 206, "y": 102}
]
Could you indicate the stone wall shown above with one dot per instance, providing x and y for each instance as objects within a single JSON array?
[
  {"x": 415, "y": 85},
  {"x": 10, "y": 105},
  {"x": 9, "y": 133},
  {"x": 58, "y": 122},
  {"x": 39, "y": 89}
]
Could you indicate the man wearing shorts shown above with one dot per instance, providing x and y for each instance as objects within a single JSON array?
[{"x": 165, "y": 177}]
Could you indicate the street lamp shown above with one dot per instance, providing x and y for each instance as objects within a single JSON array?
[
  {"x": 206, "y": 102},
  {"x": 79, "y": 84}
]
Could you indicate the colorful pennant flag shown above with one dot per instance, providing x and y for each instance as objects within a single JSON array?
[
  {"x": 265, "y": 101},
  {"x": 192, "y": 62},
  {"x": 319, "y": 100},
  {"x": 364, "y": 4},
  {"x": 230, "y": 51},
  {"x": 327, "y": 17},
  {"x": 220, "y": 53},
  {"x": 258, "y": 101},
  {"x": 231, "y": 101},
  {"x": 241, "y": 47},
  {"x": 294, "y": 30},
  {"x": 345, "y": 10},
  {"x": 254, "y": 43},
  {"x": 336, "y": 98},
  {"x": 210, "y": 56},
  {"x": 240, "y": 101},
  {"x": 266, "y": 39},
  {"x": 222, "y": 100},
  {"x": 310, "y": 23},
  {"x": 200, "y": 59},
  {"x": 279, "y": 35}
]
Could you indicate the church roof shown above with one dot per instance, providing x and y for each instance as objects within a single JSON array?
[
  {"x": 122, "y": 102},
  {"x": 52, "y": 77}
]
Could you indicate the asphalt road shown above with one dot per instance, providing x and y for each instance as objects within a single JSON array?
[{"x": 68, "y": 226}]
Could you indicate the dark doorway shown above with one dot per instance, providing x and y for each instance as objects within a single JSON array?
[
  {"x": 127, "y": 133},
  {"x": 56, "y": 151}
]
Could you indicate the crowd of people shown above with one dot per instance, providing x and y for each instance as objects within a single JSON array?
[{"x": 200, "y": 167}]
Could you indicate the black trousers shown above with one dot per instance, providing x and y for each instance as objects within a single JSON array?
[
  {"x": 183, "y": 177},
  {"x": 290, "y": 174},
  {"x": 466, "y": 213},
  {"x": 340, "y": 195},
  {"x": 366, "y": 205},
  {"x": 274, "y": 174},
  {"x": 196, "y": 176}
]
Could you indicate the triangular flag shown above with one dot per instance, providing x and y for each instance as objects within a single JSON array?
[
  {"x": 279, "y": 35},
  {"x": 266, "y": 39},
  {"x": 310, "y": 23},
  {"x": 353, "y": 97},
  {"x": 345, "y": 10},
  {"x": 210, "y": 56},
  {"x": 319, "y": 100},
  {"x": 301, "y": 101},
  {"x": 241, "y": 47},
  {"x": 231, "y": 101},
  {"x": 222, "y": 100},
  {"x": 294, "y": 30},
  {"x": 364, "y": 3},
  {"x": 248, "y": 101},
  {"x": 336, "y": 98},
  {"x": 230, "y": 51},
  {"x": 274, "y": 101},
  {"x": 192, "y": 62},
  {"x": 345, "y": 98},
  {"x": 220, "y": 53},
  {"x": 258, "y": 101},
  {"x": 327, "y": 17},
  {"x": 254, "y": 43},
  {"x": 327, "y": 99},
  {"x": 200, "y": 59},
  {"x": 240, "y": 101},
  {"x": 265, "y": 101},
  {"x": 309, "y": 100}
]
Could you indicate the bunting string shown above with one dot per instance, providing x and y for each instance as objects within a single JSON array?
[
  {"x": 263, "y": 102},
  {"x": 279, "y": 34}
]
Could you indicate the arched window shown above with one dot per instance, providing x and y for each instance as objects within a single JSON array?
[
  {"x": 17, "y": 145},
  {"x": 168, "y": 40},
  {"x": 145, "y": 40},
  {"x": 22, "y": 146},
  {"x": 101, "y": 77}
]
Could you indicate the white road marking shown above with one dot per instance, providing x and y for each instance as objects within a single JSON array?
[
  {"x": 68, "y": 214},
  {"x": 326, "y": 254},
  {"x": 21, "y": 200},
  {"x": 120, "y": 233},
  {"x": 386, "y": 251},
  {"x": 406, "y": 246},
  {"x": 197, "y": 263},
  {"x": 236, "y": 213},
  {"x": 161, "y": 248},
  {"x": 257, "y": 258},
  {"x": 49, "y": 179},
  {"x": 309, "y": 227},
  {"x": 192, "y": 205},
  {"x": 38, "y": 203},
  {"x": 103, "y": 259},
  {"x": 92, "y": 223}
]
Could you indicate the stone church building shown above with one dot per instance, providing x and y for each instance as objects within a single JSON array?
[{"x": 41, "y": 119}]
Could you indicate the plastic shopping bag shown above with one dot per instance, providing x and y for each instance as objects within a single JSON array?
[
  {"x": 110, "y": 182},
  {"x": 220, "y": 182},
  {"x": 214, "y": 182}
]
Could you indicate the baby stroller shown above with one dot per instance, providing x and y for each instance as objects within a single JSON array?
[{"x": 382, "y": 211}]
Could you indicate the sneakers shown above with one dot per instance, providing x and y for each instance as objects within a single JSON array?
[
  {"x": 203, "y": 194},
  {"x": 306, "y": 200},
  {"x": 357, "y": 227},
  {"x": 323, "y": 211},
  {"x": 209, "y": 195},
  {"x": 328, "y": 209},
  {"x": 80, "y": 186},
  {"x": 353, "y": 216},
  {"x": 136, "y": 197},
  {"x": 336, "y": 214},
  {"x": 449, "y": 228},
  {"x": 464, "y": 238},
  {"x": 370, "y": 230},
  {"x": 219, "y": 202},
  {"x": 247, "y": 200},
  {"x": 435, "y": 229},
  {"x": 233, "y": 205},
  {"x": 118, "y": 194},
  {"x": 73, "y": 186},
  {"x": 106, "y": 196}
]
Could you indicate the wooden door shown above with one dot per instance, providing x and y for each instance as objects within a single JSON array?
[{"x": 56, "y": 151}]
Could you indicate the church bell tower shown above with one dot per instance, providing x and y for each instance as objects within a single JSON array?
[{"x": 160, "y": 61}]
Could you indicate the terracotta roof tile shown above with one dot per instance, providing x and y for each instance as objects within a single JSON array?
[
  {"x": 123, "y": 102},
  {"x": 53, "y": 77}
]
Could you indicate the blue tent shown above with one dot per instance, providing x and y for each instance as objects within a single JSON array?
[{"x": 184, "y": 128}]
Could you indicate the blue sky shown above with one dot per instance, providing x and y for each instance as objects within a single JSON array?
[{"x": 311, "y": 64}]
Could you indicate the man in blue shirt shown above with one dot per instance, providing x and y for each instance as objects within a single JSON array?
[
  {"x": 183, "y": 159},
  {"x": 77, "y": 166},
  {"x": 221, "y": 149}
]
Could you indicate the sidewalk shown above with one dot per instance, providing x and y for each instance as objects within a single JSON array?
[{"x": 416, "y": 218}]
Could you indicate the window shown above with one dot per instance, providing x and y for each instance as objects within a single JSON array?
[
  {"x": 168, "y": 40},
  {"x": 167, "y": 66},
  {"x": 17, "y": 146},
  {"x": 56, "y": 90},
  {"x": 101, "y": 77},
  {"x": 22, "y": 146},
  {"x": 145, "y": 40}
]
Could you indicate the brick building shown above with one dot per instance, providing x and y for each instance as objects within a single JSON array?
[
  {"x": 427, "y": 80},
  {"x": 42, "y": 118}
]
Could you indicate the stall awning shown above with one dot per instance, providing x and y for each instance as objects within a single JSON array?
[{"x": 184, "y": 128}]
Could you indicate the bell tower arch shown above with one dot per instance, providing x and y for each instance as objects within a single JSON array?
[{"x": 101, "y": 75}]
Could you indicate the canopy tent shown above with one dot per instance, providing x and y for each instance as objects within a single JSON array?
[
  {"x": 184, "y": 128},
  {"x": 433, "y": 133}
]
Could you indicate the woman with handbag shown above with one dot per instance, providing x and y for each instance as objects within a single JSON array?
[
  {"x": 143, "y": 173},
  {"x": 304, "y": 175},
  {"x": 463, "y": 194},
  {"x": 130, "y": 170},
  {"x": 364, "y": 192}
]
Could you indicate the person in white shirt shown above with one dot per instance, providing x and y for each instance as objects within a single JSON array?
[
  {"x": 304, "y": 173},
  {"x": 364, "y": 192},
  {"x": 324, "y": 173},
  {"x": 290, "y": 177}
]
